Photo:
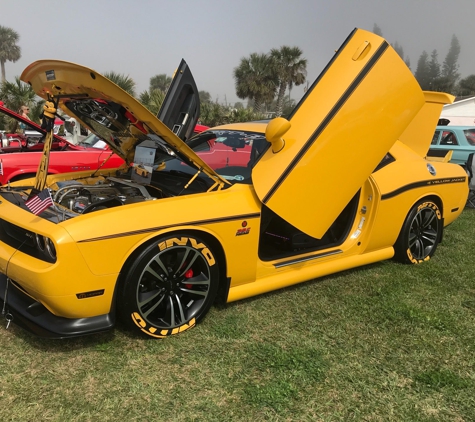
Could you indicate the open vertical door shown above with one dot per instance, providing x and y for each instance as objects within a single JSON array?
[
  {"x": 341, "y": 129},
  {"x": 180, "y": 110}
]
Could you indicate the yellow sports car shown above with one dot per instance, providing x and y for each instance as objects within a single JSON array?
[{"x": 342, "y": 183}]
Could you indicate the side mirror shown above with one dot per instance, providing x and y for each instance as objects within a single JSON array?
[{"x": 275, "y": 130}]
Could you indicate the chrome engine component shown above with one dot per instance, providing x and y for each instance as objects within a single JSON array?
[{"x": 80, "y": 198}]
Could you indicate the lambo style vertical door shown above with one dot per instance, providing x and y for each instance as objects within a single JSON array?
[
  {"x": 181, "y": 107},
  {"x": 341, "y": 129}
]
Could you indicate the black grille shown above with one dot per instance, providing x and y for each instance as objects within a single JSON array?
[{"x": 21, "y": 239}]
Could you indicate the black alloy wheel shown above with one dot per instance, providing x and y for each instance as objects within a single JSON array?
[
  {"x": 170, "y": 287},
  {"x": 420, "y": 234}
]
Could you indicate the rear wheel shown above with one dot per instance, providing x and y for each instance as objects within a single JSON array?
[
  {"x": 420, "y": 234},
  {"x": 170, "y": 286}
]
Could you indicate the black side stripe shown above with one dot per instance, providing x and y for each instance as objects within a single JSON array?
[
  {"x": 423, "y": 183},
  {"x": 189, "y": 223},
  {"x": 382, "y": 48}
]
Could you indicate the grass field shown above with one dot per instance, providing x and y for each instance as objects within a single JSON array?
[{"x": 386, "y": 342}]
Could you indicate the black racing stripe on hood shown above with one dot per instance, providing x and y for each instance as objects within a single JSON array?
[
  {"x": 347, "y": 94},
  {"x": 423, "y": 183},
  {"x": 186, "y": 223}
]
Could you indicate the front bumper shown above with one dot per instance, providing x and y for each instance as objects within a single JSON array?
[{"x": 35, "y": 318}]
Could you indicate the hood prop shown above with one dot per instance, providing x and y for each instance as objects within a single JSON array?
[{"x": 49, "y": 114}]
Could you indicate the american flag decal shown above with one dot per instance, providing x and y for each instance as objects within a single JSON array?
[{"x": 40, "y": 202}]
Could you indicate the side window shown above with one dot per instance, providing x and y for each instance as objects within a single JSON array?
[
  {"x": 435, "y": 138},
  {"x": 448, "y": 138},
  {"x": 470, "y": 136}
]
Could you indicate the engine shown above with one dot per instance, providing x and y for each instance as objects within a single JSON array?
[{"x": 110, "y": 192}]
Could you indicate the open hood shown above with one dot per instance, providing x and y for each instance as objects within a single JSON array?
[
  {"x": 344, "y": 125},
  {"x": 418, "y": 135},
  {"x": 107, "y": 110}
]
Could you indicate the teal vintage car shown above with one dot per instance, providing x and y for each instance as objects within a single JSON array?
[{"x": 459, "y": 139}]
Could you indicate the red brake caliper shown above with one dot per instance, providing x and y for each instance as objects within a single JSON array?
[{"x": 189, "y": 274}]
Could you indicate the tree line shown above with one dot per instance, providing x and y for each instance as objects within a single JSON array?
[
  {"x": 263, "y": 79},
  {"x": 434, "y": 76}
]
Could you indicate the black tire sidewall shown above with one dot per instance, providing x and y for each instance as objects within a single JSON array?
[
  {"x": 127, "y": 307},
  {"x": 401, "y": 247}
]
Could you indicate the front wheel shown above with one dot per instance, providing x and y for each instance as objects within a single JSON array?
[
  {"x": 170, "y": 286},
  {"x": 420, "y": 234}
]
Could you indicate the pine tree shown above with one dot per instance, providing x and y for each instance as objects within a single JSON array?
[
  {"x": 422, "y": 71},
  {"x": 434, "y": 66},
  {"x": 450, "y": 66},
  {"x": 377, "y": 30},
  {"x": 399, "y": 50},
  {"x": 466, "y": 86}
]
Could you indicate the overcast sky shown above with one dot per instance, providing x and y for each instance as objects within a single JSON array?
[{"x": 143, "y": 38}]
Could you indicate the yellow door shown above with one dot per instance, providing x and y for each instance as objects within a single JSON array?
[{"x": 344, "y": 125}]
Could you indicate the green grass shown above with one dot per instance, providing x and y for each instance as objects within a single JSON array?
[{"x": 386, "y": 342}]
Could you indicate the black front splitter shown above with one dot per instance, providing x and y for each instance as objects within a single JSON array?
[{"x": 35, "y": 318}]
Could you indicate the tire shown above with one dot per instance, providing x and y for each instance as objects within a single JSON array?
[
  {"x": 170, "y": 286},
  {"x": 420, "y": 234}
]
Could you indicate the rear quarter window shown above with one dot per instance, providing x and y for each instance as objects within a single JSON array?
[
  {"x": 448, "y": 138},
  {"x": 470, "y": 136}
]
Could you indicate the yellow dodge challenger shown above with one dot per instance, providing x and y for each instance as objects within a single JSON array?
[{"x": 341, "y": 183}]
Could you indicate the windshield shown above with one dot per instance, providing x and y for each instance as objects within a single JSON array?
[{"x": 230, "y": 153}]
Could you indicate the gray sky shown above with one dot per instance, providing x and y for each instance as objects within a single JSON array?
[{"x": 143, "y": 38}]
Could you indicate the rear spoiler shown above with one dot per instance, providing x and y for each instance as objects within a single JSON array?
[{"x": 441, "y": 155}]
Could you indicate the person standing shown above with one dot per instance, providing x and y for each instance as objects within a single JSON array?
[{"x": 23, "y": 112}]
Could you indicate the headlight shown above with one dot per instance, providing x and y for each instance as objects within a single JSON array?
[{"x": 46, "y": 246}]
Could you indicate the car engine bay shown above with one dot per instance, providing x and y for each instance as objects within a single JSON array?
[{"x": 80, "y": 198}]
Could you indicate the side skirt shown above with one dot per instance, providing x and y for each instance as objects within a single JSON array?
[{"x": 306, "y": 273}]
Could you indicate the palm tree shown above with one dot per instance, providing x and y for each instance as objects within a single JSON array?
[
  {"x": 290, "y": 69},
  {"x": 255, "y": 80},
  {"x": 161, "y": 82},
  {"x": 152, "y": 100},
  {"x": 205, "y": 97},
  {"x": 9, "y": 50},
  {"x": 213, "y": 114},
  {"x": 15, "y": 94},
  {"x": 124, "y": 82}
]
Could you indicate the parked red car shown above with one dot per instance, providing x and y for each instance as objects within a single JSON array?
[
  {"x": 20, "y": 154},
  {"x": 30, "y": 140}
]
